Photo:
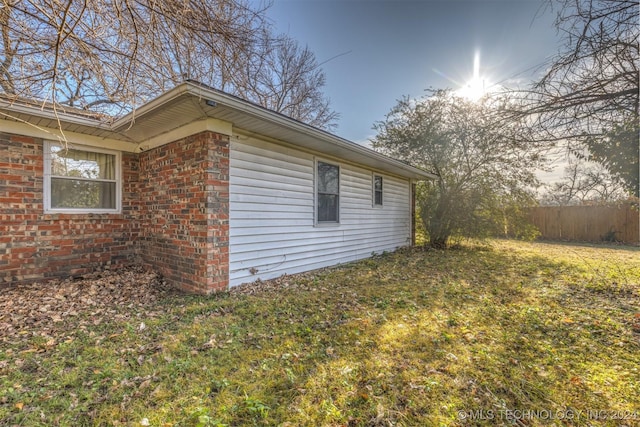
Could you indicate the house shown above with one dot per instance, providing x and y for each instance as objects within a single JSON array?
[{"x": 210, "y": 190}]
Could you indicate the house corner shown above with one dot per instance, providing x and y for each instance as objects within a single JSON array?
[{"x": 184, "y": 211}]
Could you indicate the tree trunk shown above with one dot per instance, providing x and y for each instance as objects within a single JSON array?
[
  {"x": 438, "y": 225},
  {"x": 438, "y": 242}
]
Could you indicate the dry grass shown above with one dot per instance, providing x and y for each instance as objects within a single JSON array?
[{"x": 501, "y": 334}]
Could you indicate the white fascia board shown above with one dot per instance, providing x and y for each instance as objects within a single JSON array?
[
  {"x": 287, "y": 122},
  {"x": 60, "y": 116},
  {"x": 50, "y": 134},
  {"x": 230, "y": 101}
]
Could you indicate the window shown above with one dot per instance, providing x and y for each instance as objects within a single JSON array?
[
  {"x": 377, "y": 190},
  {"x": 328, "y": 192},
  {"x": 81, "y": 180}
]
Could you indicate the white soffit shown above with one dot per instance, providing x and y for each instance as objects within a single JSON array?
[
  {"x": 257, "y": 120},
  {"x": 191, "y": 103}
]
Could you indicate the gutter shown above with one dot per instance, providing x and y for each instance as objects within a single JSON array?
[
  {"x": 203, "y": 92},
  {"x": 51, "y": 114},
  {"x": 287, "y": 122}
]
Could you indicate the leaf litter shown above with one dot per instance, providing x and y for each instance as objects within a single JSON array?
[{"x": 46, "y": 309}]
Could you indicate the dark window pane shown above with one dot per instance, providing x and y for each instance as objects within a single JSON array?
[
  {"x": 378, "y": 200},
  {"x": 78, "y": 194},
  {"x": 327, "y": 207},
  {"x": 328, "y": 192},
  {"x": 377, "y": 190},
  {"x": 328, "y": 178}
]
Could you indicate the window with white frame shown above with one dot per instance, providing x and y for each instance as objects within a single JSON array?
[
  {"x": 377, "y": 190},
  {"x": 81, "y": 179},
  {"x": 327, "y": 193}
]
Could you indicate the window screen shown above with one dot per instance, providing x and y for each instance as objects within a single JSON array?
[
  {"x": 328, "y": 189},
  {"x": 377, "y": 190}
]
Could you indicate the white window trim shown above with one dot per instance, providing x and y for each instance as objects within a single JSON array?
[
  {"x": 317, "y": 223},
  {"x": 373, "y": 190},
  {"x": 47, "y": 181}
]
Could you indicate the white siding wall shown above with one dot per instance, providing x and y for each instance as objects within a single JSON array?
[{"x": 272, "y": 229}]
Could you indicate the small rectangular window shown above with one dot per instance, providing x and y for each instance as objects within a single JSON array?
[
  {"x": 328, "y": 192},
  {"x": 81, "y": 180},
  {"x": 377, "y": 190}
]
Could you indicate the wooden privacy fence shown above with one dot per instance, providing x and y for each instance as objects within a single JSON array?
[{"x": 620, "y": 223}]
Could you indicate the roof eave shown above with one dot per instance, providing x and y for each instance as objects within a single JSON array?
[
  {"x": 287, "y": 122},
  {"x": 53, "y": 114},
  {"x": 120, "y": 126}
]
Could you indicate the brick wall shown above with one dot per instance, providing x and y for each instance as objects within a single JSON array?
[
  {"x": 218, "y": 213},
  {"x": 175, "y": 204},
  {"x": 34, "y": 245},
  {"x": 184, "y": 223}
]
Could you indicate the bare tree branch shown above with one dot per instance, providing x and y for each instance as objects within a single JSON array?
[
  {"x": 113, "y": 55},
  {"x": 590, "y": 95}
]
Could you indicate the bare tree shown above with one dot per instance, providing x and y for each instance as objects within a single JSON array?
[
  {"x": 112, "y": 55},
  {"x": 589, "y": 96},
  {"x": 289, "y": 80},
  {"x": 583, "y": 182}
]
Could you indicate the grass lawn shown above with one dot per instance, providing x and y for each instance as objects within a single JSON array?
[{"x": 506, "y": 333}]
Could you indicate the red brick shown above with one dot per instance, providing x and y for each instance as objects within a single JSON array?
[
  {"x": 164, "y": 220},
  {"x": 56, "y": 243}
]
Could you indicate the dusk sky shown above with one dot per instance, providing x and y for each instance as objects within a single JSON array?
[{"x": 375, "y": 52}]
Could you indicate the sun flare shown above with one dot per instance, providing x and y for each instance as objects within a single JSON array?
[{"x": 476, "y": 87}]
